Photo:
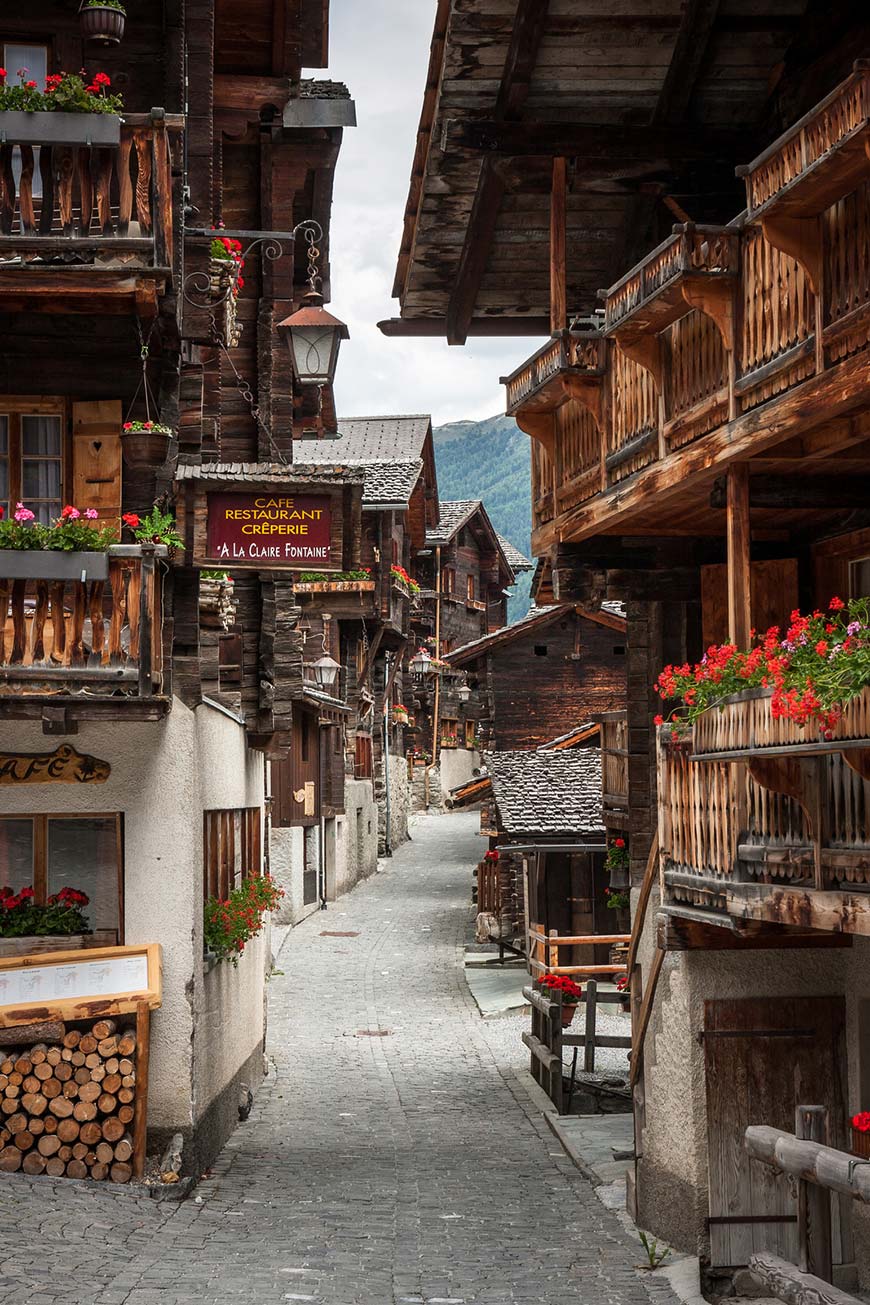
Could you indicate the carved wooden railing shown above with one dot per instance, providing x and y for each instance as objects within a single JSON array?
[
  {"x": 827, "y": 139},
  {"x": 745, "y": 726},
  {"x": 569, "y": 351},
  {"x": 83, "y": 636},
  {"x": 689, "y": 251},
  {"x": 88, "y": 203}
]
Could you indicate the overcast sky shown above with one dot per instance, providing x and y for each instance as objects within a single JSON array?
[{"x": 381, "y": 49}]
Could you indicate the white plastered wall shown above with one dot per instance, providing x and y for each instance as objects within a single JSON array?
[
  {"x": 163, "y": 776},
  {"x": 457, "y": 767}
]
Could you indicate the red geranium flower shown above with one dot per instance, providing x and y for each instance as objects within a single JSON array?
[{"x": 130, "y": 519}]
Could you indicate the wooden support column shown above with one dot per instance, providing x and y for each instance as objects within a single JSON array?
[
  {"x": 739, "y": 590},
  {"x": 814, "y": 1202},
  {"x": 558, "y": 246}
]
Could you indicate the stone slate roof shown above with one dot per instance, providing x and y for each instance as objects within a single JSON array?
[
  {"x": 614, "y": 608},
  {"x": 579, "y": 734},
  {"x": 371, "y": 439},
  {"x": 310, "y": 88},
  {"x": 276, "y": 473},
  {"x": 388, "y": 483},
  {"x": 534, "y": 616},
  {"x": 453, "y": 517},
  {"x": 547, "y": 794},
  {"x": 516, "y": 560}
]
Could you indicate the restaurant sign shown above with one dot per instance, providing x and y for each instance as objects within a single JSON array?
[{"x": 270, "y": 529}]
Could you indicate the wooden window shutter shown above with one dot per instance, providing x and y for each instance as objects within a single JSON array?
[{"x": 96, "y": 461}]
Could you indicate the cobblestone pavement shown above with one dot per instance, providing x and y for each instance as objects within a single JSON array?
[{"x": 392, "y": 1158}]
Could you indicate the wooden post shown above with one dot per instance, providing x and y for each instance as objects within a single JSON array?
[
  {"x": 814, "y": 1202},
  {"x": 558, "y": 247},
  {"x": 739, "y": 574},
  {"x": 554, "y": 1041},
  {"x": 140, "y": 1119},
  {"x": 591, "y": 998}
]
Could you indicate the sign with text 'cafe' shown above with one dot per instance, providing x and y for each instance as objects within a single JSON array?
[{"x": 270, "y": 529}]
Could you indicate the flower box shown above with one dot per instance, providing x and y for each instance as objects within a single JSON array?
[
  {"x": 335, "y": 587},
  {"x": 52, "y": 564},
  {"x": 40, "y": 128},
  {"x": 744, "y": 723},
  {"x": 861, "y": 1143}
]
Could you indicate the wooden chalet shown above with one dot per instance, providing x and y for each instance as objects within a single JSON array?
[
  {"x": 700, "y": 451},
  {"x": 558, "y": 663},
  {"x": 160, "y": 679}
]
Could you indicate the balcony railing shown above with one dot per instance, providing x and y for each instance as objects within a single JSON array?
[
  {"x": 744, "y": 726},
  {"x": 769, "y": 840},
  {"x": 819, "y": 159},
  {"x": 651, "y": 293},
  {"x": 537, "y": 384},
  {"x": 715, "y": 323},
  {"x": 109, "y": 207},
  {"x": 97, "y": 636}
]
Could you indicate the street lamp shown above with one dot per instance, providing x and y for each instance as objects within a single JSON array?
[
  {"x": 326, "y": 670},
  {"x": 421, "y": 663},
  {"x": 464, "y": 693},
  {"x": 314, "y": 336}
]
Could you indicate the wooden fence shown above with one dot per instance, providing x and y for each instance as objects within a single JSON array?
[
  {"x": 547, "y": 1039},
  {"x": 543, "y": 951}
]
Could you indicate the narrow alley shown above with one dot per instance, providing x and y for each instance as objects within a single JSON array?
[{"x": 393, "y": 1156}]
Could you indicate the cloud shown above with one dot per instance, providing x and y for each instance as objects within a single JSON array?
[{"x": 381, "y": 49}]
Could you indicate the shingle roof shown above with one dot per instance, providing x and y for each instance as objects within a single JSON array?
[
  {"x": 277, "y": 473},
  {"x": 517, "y": 628},
  {"x": 614, "y": 608},
  {"x": 452, "y": 518},
  {"x": 547, "y": 793},
  {"x": 516, "y": 560},
  {"x": 388, "y": 482},
  {"x": 371, "y": 439},
  {"x": 579, "y": 734}
]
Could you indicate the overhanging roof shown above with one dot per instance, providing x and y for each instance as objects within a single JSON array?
[
  {"x": 657, "y": 98},
  {"x": 537, "y": 618}
]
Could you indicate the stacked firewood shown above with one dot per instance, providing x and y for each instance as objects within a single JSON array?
[{"x": 67, "y": 1107}]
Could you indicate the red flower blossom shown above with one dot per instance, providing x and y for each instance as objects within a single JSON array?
[
  {"x": 619, "y": 842},
  {"x": 836, "y": 604},
  {"x": 861, "y": 1121},
  {"x": 130, "y": 519},
  {"x": 102, "y": 79}
]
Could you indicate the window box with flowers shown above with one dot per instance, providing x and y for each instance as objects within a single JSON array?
[
  {"x": 28, "y": 927},
  {"x": 103, "y": 21},
  {"x": 68, "y": 111},
  {"x": 76, "y": 545},
  {"x": 400, "y": 580},
  {"x": 400, "y": 715},
  {"x": 805, "y": 687},
  {"x": 231, "y": 922},
  {"x": 336, "y": 582}
]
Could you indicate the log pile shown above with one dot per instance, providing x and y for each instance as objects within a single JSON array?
[{"x": 67, "y": 1107}]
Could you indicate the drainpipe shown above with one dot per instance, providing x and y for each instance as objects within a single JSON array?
[
  {"x": 437, "y": 703},
  {"x": 388, "y": 813}
]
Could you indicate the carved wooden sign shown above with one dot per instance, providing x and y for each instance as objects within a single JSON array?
[
  {"x": 64, "y": 766},
  {"x": 270, "y": 529}
]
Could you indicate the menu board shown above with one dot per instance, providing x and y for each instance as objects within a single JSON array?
[{"x": 63, "y": 984}]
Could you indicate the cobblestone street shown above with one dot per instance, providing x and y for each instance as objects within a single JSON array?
[{"x": 392, "y": 1156}]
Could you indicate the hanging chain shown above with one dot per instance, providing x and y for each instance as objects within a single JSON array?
[
  {"x": 144, "y": 342},
  {"x": 313, "y": 259},
  {"x": 247, "y": 395}
]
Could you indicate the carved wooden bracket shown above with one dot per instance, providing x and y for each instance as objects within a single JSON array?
[
  {"x": 541, "y": 427},
  {"x": 800, "y": 778},
  {"x": 645, "y": 350},
  {"x": 801, "y": 239},
  {"x": 858, "y": 759},
  {"x": 714, "y": 297},
  {"x": 588, "y": 391}
]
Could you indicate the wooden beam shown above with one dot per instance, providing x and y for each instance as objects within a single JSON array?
[
  {"x": 429, "y": 327},
  {"x": 589, "y": 143},
  {"x": 785, "y": 1282},
  {"x": 650, "y": 875},
  {"x": 558, "y": 247},
  {"x": 786, "y": 493},
  {"x": 814, "y": 1203},
  {"x": 690, "y": 47},
  {"x": 639, "y": 1033},
  {"x": 739, "y": 549},
  {"x": 528, "y": 29},
  {"x": 811, "y": 1161}
]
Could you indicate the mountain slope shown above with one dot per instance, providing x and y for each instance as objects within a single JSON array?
[{"x": 491, "y": 460}]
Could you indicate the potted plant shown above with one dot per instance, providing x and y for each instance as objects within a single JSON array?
[
  {"x": 619, "y": 902},
  {"x": 617, "y": 862},
  {"x": 27, "y": 926},
  {"x": 68, "y": 111},
  {"x": 402, "y": 581},
  {"x": 145, "y": 443},
  {"x": 225, "y": 266},
  {"x": 103, "y": 21},
  {"x": 555, "y": 986},
  {"x": 72, "y": 547},
  {"x": 229, "y": 923},
  {"x": 400, "y": 714},
  {"x": 156, "y": 527},
  {"x": 623, "y": 986},
  {"x": 861, "y": 1134}
]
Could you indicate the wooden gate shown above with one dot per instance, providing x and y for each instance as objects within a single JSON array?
[{"x": 763, "y": 1056}]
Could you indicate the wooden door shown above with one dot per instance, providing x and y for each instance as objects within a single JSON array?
[{"x": 764, "y": 1056}]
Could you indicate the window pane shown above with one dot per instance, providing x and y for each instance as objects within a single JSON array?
[
  {"x": 40, "y": 436},
  {"x": 41, "y": 477},
  {"x": 83, "y": 854},
  {"x": 859, "y": 578},
  {"x": 31, "y": 59},
  {"x": 16, "y": 854}
]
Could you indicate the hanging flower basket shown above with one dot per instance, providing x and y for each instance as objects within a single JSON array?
[
  {"x": 145, "y": 444},
  {"x": 861, "y": 1134},
  {"x": 102, "y": 23}
]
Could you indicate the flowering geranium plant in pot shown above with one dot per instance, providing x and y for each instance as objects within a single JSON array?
[
  {"x": 556, "y": 985},
  {"x": 226, "y": 265},
  {"x": 812, "y": 670},
  {"x": 30, "y": 922},
  {"x": 617, "y": 862},
  {"x": 69, "y": 110},
  {"x": 103, "y": 21},
  {"x": 617, "y": 901},
  {"x": 401, "y": 578},
  {"x": 231, "y": 922},
  {"x": 861, "y": 1134},
  {"x": 145, "y": 443}
]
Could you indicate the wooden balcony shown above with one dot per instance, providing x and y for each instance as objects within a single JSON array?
[
  {"x": 81, "y": 634},
  {"x": 723, "y": 344},
  {"x": 87, "y": 228},
  {"x": 821, "y": 158},
  {"x": 780, "y": 840},
  {"x": 682, "y": 273},
  {"x": 744, "y": 728},
  {"x": 545, "y": 381}
]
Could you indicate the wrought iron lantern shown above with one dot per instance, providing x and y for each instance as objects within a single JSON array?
[
  {"x": 314, "y": 337},
  {"x": 464, "y": 694},
  {"x": 421, "y": 663},
  {"x": 326, "y": 671}
]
